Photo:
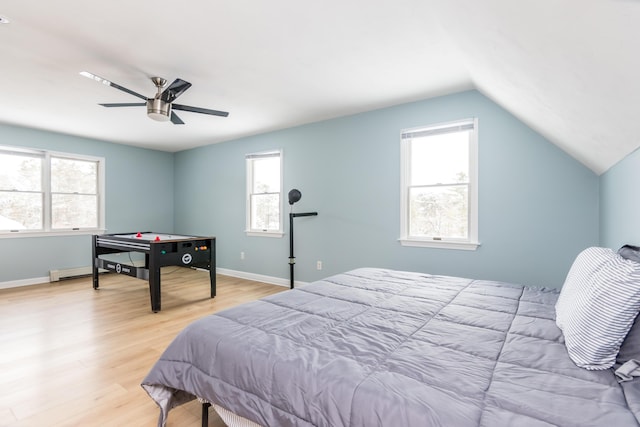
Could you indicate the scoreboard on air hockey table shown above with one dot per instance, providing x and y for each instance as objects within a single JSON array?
[{"x": 160, "y": 250}]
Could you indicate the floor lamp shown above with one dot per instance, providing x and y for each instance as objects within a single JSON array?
[{"x": 294, "y": 196}]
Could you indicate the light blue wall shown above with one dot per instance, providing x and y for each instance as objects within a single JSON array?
[
  {"x": 620, "y": 203},
  {"x": 139, "y": 196},
  {"x": 538, "y": 206}
]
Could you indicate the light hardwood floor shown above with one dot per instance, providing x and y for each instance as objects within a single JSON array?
[{"x": 73, "y": 356}]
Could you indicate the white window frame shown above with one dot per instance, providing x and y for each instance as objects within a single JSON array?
[
  {"x": 47, "y": 229},
  {"x": 471, "y": 242},
  {"x": 249, "y": 187}
]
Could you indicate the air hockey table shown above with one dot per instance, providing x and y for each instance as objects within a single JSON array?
[{"x": 160, "y": 250}]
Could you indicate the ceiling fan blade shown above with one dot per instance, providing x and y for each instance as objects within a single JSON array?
[
  {"x": 175, "y": 119},
  {"x": 125, "y": 104},
  {"x": 110, "y": 83},
  {"x": 129, "y": 91},
  {"x": 174, "y": 90},
  {"x": 200, "y": 110}
]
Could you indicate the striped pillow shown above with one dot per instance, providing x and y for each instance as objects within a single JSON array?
[
  {"x": 586, "y": 264},
  {"x": 602, "y": 302}
]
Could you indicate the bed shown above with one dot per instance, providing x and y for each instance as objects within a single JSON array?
[{"x": 377, "y": 347}]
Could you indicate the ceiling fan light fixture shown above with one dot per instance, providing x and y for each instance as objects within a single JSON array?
[
  {"x": 96, "y": 78},
  {"x": 158, "y": 110},
  {"x": 4, "y": 20}
]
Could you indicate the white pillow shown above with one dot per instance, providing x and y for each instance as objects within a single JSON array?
[{"x": 598, "y": 309}]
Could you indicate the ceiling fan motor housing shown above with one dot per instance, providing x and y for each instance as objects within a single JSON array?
[{"x": 158, "y": 110}]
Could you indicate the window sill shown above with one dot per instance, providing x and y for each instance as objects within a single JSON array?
[
  {"x": 276, "y": 234},
  {"x": 23, "y": 234},
  {"x": 440, "y": 244}
]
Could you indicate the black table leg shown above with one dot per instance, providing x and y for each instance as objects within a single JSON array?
[
  {"x": 212, "y": 268},
  {"x": 154, "y": 288},
  {"x": 94, "y": 263}
]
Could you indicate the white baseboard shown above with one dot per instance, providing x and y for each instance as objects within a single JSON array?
[
  {"x": 24, "y": 282},
  {"x": 54, "y": 276},
  {"x": 258, "y": 277},
  {"x": 224, "y": 271}
]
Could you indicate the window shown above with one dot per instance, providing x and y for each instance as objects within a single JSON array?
[
  {"x": 51, "y": 193},
  {"x": 264, "y": 194},
  {"x": 439, "y": 202}
]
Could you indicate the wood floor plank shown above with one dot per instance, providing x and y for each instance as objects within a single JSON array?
[{"x": 74, "y": 356}]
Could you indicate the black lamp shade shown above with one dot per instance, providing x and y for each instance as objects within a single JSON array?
[{"x": 294, "y": 196}]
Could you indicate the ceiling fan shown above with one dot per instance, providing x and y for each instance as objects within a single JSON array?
[{"x": 160, "y": 106}]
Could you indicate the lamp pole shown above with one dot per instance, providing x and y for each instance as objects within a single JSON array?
[
  {"x": 292, "y": 258},
  {"x": 294, "y": 196}
]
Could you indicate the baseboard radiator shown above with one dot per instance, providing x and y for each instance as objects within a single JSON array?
[{"x": 69, "y": 273}]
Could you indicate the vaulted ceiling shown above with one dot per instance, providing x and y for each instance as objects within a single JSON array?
[{"x": 569, "y": 69}]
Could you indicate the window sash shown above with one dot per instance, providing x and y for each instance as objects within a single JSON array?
[
  {"x": 31, "y": 207},
  {"x": 86, "y": 213},
  {"x": 85, "y": 170},
  {"x": 262, "y": 183},
  {"x": 440, "y": 207},
  {"x": 263, "y": 213},
  {"x": 21, "y": 182}
]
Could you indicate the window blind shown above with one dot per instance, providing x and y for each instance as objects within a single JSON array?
[
  {"x": 423, "y": 132},
  {"x": 262, "y": 155}
]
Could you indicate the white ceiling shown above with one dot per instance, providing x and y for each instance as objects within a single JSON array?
[{"x": 569, "y": 69}]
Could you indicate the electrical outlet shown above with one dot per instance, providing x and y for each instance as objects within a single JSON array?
[
  {"x": 241, "y": 255},
  {"x": 319, "y": 265}
]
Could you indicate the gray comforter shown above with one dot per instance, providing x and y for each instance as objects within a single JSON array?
[{"x": 375, "y": 347}]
